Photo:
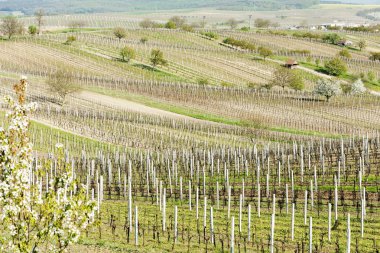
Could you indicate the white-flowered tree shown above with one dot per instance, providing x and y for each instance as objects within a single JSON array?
[
  {"x": 39, "y": 210},
  {"x": 358, "y": 87},
  {"x": 327, "y": 88}
]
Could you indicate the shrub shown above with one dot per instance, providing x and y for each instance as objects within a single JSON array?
[
  {"x": 252, "y": 85},
  {"x": 127, "y": 54},
  {"x": 144, "y": 40},
  {"x": 375, "y": 56},
  {"x": 170, "y": 25},
  {"x": 296, "y": 82},
  {"x": 332, "y": 38},
  {"x": 279, "y": 33},
  {"x": 345, "y": 53},
  {"x": 240, "y": 43},
  {"x": 265, "y": 52},
  {"x": 70, "y": 40},
  {"x": 267, "y": 86},
  {"x": 335, "y": 67},
  {"x": 371, "y": 76},
  {"x": 301, "y": 51},
  {"x": 202, "y": 81},
  {"x": 211, "y": 35},
  {"x": 187, "y": 28},
  {"x": 32, "y": 30},
  {"x": 226, "y": 84},
  {"x": 307, "y": 35},
  {"x": 157, "y": 58},
  {"x": 158, "y": 25}
]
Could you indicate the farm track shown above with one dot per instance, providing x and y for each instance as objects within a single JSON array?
[{"x": 135, "y": 107}]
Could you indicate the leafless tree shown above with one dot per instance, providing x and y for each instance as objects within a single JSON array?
[
  {"x": 62, "y": 83},
  {"x": 39, "y": 15},
  {"x": 11, "y": 26}
]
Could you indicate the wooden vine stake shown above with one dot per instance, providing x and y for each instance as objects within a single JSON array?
[
  {"x": 175, "y": 224},
  {"x": 305, "y": 209},
  {"x": 232, "y": 235},
  {"x": 348, "y": 234},
  {"x": 272, "y": 234},
  {"x": 329, "y": 223},
  {"x": 292, "y": 226},
  {"x": 136, "y": 227},
  {"x": 311, "y": 235},
  {"x": 249, "y": 222}
]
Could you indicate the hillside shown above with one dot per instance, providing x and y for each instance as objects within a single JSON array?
[
  {"x": 196, "y": 130},
  {"x": 87, "y": 6}
]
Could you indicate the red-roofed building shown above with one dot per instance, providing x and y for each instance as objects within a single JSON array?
[{"x": 290, "y": 63}]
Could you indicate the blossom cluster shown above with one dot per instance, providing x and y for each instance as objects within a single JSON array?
[{"x": 32, "y": 217}]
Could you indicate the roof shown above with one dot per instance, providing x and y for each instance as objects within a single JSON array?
[
  {"x": 345, "y": 42},
  {"x": 291, "y": 62}
]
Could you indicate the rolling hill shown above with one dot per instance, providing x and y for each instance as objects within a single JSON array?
[{"x": 96, "y": 6}]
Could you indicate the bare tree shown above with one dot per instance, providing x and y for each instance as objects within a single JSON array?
[
  {"x": 39, "y": 15},
  {"x": 120, "y": 32},
  {"x": 146, "y": 23},
  {"x": 362, "y": 44},
  {"x": 10, "y": 26},
  {"x": 179, "y": 22},
  {"x": 265, "y": 52},
  {"x": 62, "y": 83},
  {"x": 285, "y": 77},
  {"x": 232, "y": 23},
  {"x": 77, "y": 24},
  {"x": 262, "y": 23}
]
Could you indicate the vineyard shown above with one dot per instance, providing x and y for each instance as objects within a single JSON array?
[{"x": 198, "y": 155}]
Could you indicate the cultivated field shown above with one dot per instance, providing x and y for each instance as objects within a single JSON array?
[{"x": 199, "y": 155}]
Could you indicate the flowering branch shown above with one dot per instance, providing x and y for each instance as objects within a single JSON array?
[{"x": 36, "y": 214}]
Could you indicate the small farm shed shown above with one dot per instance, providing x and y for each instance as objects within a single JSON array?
[
  {"x": 290, "y": 63},
  {"x": 345, "y": 43}
]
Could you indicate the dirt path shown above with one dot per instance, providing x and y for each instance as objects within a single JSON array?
[
  {"x": 375, "y": 93},
  {"x": 133, "y": 106}
]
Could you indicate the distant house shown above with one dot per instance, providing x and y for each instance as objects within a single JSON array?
[
  {"x": 345, "y": 43},
  {"x": 291, "y": 64}
]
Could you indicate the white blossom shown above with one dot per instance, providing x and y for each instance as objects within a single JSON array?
[
  {"x": 21, "y": 201},
  {"x": 327, "y": 88},
  {"x": 358, "y": 87},
  {"x": 59, "y": 145}
]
